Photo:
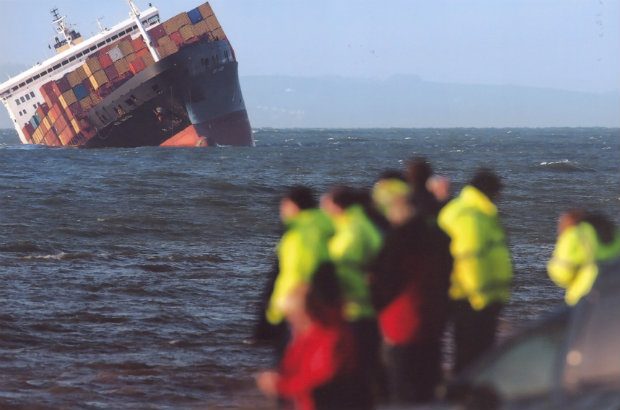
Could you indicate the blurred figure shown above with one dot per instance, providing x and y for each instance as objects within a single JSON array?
[
  {"x": 301, "y": 250},
  {"x": 418, "y": 172},
  {"x": 584, "y": 241},
  {"x": 482, "y": 272},
  {"x": 389, "y": 194},
  {"x": 410, "y": 291},
  {"x": 319, "y": 368},
  {"x": 352, "y": 249},
  {"x": 440, "y": 187}
]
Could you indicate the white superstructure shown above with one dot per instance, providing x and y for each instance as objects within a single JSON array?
[{"x": 20, "y": 94}]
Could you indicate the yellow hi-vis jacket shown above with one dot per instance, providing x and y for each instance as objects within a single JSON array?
[
  {"x": 573, "y": 265},
  {"x": 301, "y": 250},
  {"x": 482, "y": 270},
  {"x": 352, "y": 249}
]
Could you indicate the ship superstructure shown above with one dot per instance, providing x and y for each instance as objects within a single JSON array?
[{"x": 140, "y": 82}]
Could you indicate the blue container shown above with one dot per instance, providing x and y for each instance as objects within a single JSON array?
[
  {"x": 80, "y": 91},
  {"x": 194, "y": 15},
  {"x": 35, "y": 121}
]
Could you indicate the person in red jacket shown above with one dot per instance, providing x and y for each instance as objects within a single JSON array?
[{"x": 319, "y": 369}]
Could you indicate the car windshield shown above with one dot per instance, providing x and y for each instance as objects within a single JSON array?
[{"x": 526, "y": 367}]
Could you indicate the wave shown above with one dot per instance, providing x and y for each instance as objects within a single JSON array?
[{"x": 564, "y": 165}]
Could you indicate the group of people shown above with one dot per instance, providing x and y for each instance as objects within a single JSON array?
[{"x": 366, "y": 282}]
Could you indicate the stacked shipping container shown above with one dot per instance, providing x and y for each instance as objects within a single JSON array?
[{"x": 62, "y": 119}]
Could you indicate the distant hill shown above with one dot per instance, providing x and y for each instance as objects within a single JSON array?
[{"x": 408, "y": 101}]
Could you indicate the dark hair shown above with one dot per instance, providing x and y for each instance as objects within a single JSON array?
[
  {"x": 345, "y": 196},
  {"x": 324, "y": 298},
  {"x": 419, "y": 170},
  {"x": 302, "y": 196},
  {"x": 487, "y": 182},
  {"x": 604, "y": 227}
]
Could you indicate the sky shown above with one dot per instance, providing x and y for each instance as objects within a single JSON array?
[{"x": 560, "y": 44}]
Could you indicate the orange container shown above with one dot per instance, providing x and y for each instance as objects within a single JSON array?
[
  {"x": 176, "y": 22},
  {"x": 205, "y": 10},
  {"x": 66, "y": 135},
  {"x": 148, "y": 59}
]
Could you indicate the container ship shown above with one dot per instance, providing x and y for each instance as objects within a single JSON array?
[{"x": 142, "y": 82}]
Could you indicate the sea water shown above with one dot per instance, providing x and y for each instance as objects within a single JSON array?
[{"x": 130, "y": 278}]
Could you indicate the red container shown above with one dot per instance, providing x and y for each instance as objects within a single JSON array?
[
  {"x": 49, "y": 94},
  {"x": 61, "y": 123},
  {"x": 143, "y": 52},
  {"x": 28, "y": 130},
  {"x": 137, "y": 65},
  {"x": 111, "y": 72},
  {"x": 63, "y": 84},
  {"x": 177, "y": 38},
  {"x": 105, "y": 61},
  {"x": 75, "y": 110},
  {"x": 138, "y": 43},
  {"x": 56, "y": 111},
  {"x": 42, "y": 110},
  {"x": 157, "y": 32}
]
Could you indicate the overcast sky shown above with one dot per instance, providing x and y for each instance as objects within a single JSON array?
[{"x": 564, "y": 44}]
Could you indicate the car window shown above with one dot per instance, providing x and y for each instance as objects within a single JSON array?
[
  {"x": 595, "y": 357},
  {"x": 526, "y": 367}
]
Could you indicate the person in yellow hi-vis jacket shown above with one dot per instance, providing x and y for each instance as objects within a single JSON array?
[
  {"x": 584, "y": 241},
  {"x": 301, "y": 250},
  {"x": 352, "y": 250},
  {"x": 482, "y": 270}
]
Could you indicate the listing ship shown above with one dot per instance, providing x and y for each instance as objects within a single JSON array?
[{"x": 142, "y": 82}]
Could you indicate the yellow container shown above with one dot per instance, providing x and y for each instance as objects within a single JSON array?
[
  {"x": 90, "y": 66},
  {"x": 201, "y": 28},
  {"x": 67, "y": 98},
  {"x": 122, "y": 66},
  {"x": 98, "y": 79},
  {"x": 176, "y": 22},
  {"x": 126, "y": 47},
  {"x": 187, "y": 32},
  {"x": 75, "y": 125}
]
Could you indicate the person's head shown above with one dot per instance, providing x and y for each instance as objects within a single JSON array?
[
  {"x": 440, "y": 187},
  {"x": 419, "y": 170},
  {"x": 324, "y": 298},
  {"x": 570, "y": 218},
  {"x": 389, "y": 192},
  {"x": 339, "y": 198},
  {"x": 297, "y": 199},
  {"x": 487, "y": 182}
]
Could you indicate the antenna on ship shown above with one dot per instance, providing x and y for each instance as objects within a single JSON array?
[{"x": 135, "y": 14}]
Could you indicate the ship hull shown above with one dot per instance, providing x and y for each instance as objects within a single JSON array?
[{"x": 190, "y": 98}]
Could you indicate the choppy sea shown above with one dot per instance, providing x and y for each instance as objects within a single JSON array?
[{"x": 130, "y": 278}]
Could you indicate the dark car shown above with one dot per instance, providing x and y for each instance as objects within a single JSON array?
[{"x": 570, "y": 360}]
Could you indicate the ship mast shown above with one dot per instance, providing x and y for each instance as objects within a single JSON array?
[
  {"x": 62, "y": 27},
  {"x": 135, "y": 14}
]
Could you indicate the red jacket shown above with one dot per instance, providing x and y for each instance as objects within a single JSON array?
[{"x": 313, "y": 359}]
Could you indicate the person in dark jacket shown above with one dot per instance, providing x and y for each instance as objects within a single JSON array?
[
  {"x": 418, "y": 173},
  {"x": 410, "y": 293}
]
